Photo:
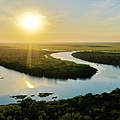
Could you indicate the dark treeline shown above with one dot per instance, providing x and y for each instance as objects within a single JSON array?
[
  {"x": 99, "y": 57},
  {"x": 89, "y": 107},
  {"x": 43, "y": 65}
]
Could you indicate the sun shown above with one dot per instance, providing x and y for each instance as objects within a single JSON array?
[{"x": 31, "y": 22}]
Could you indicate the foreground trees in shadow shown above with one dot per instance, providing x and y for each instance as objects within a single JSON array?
[{"x": 89, "y": 107}]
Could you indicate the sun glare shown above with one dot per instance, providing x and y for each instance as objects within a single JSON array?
[
  {"x": 29, "y": 85},
  {"x": 32, "y": 22}
]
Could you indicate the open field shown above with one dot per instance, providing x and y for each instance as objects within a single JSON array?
[
  {"x": 67, "y": 46},
  {"x": 33, "y": 59},
  {"x": 37, "y": 62},
  {"x": 89, "y": 107},
  {"x": 99, "y": 57}
]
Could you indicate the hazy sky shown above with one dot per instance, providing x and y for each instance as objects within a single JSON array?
[{"x": 69, "y": 20}]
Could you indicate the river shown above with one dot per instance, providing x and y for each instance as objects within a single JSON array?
[{"x": 15, "y": 83}]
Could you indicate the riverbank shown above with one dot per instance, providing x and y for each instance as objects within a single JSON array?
[
  {"x": 106, "y": 79},
  {"x": 39, "y": 63},
  {"x": 99, "y": 57},
  {"x": 89, "y": 107}
]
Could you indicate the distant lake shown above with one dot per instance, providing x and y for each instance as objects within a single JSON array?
[{"x": 16, "y": 83}]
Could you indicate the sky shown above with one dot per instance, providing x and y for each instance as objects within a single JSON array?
[{"x": 66, "y": 20}]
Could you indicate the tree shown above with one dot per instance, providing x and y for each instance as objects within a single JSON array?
[
  {"x": 26, "y": 119},
  {"x": 9, "y": 118}
]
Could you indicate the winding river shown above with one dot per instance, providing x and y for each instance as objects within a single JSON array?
[{"x": 105, "y": 80}]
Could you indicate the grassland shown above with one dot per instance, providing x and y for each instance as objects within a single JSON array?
[
  {"x": 99, "y": 57},
  {"x": 89, "y": 107},
  {"x": 68, "y": 46},
  {"x": 37, "y": 62}
]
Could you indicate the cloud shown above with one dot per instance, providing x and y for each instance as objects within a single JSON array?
[{"x": 95, "y": 18}]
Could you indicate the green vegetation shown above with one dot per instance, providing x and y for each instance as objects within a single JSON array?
[
  {"x": 39, "y": 63},
  {"x": 89, "y": 107},
  {"x": 54, "y": 98},
  {"x": 32, "y": 95},
  {"x": 98, "y": 46},
  {"x": 99, "y": 57},
  {"x": 19, "y": 96},
  {"x": 67, "y": 46},
  {"x": 44, "y": 94}
]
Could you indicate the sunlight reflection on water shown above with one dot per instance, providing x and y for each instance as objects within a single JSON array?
[{"x": 106, "y": 79}]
